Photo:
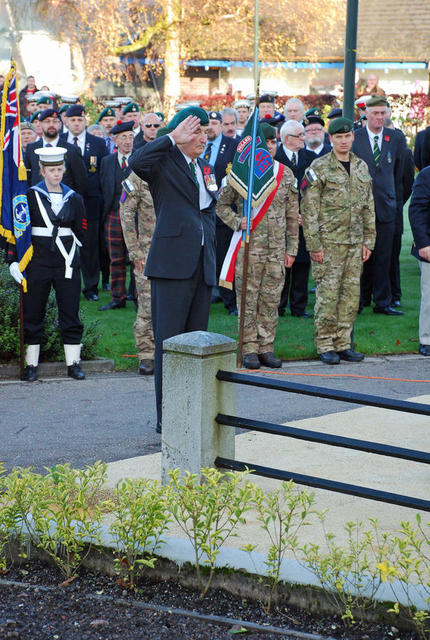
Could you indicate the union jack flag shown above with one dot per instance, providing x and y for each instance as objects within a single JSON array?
[{"x": 14, "y": 215}]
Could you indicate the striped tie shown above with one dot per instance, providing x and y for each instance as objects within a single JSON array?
[
  {"x": 293, "y": 160},
  {"x": 123, "y": 162},
  {"x": 376, "y": 150}
]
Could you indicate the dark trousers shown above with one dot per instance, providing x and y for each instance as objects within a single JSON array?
[
  {"x": 177, "y": 306},
  {"x": 223, "y": 238},
  {"x": 117, "y": 255},
  {"x": 67, "y": 292},
  {"x": 375, "y": 277},
  {"x": 295, "y": 288},
  {"x": 396, "y": 291},
  {"x": 89, "y": 252}
]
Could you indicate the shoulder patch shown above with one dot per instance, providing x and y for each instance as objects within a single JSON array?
[
  {"x": 309, "y": 178},
  {"x": 128, "y": 186}
]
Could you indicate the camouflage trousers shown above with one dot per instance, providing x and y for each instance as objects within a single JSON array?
[
  {"x": 143, "y": 335},
  {"x": 337, "y": 296},
  {"x": 266, "y": 275}
]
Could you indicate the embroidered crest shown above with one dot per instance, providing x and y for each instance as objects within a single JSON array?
[{"x": 21, "y": 215}]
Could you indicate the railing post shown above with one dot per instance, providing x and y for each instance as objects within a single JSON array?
[{"x": 192, "y": 397}]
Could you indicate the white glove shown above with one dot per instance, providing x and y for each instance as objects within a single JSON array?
[{"x": 15, "y": 272}]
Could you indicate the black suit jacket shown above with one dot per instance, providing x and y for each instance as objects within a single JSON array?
[
  {"x": 177, "y": 241},
  {"x": 418, "y": 148},
  {"x": 75, "y": 175},
  {"x": 425, "y": 149},
  {"x": 389, "y": 172},
  {"x": 139, "y": 141},
  {"x": 94, "y": 151},
  {"x": 419, "y": 212},
  {"x": 111, "y": 177}
]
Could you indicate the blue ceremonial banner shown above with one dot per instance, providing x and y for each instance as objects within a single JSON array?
[
  {"x": 263, "y": 181},
  {"x": 14, "y": 215}
]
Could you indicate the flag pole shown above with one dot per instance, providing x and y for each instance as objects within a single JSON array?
[{"x": 247, "y": 204}]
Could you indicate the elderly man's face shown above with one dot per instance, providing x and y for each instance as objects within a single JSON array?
[
  {"x": 197, "y": 143},
  {"x": 294, "y": 111},
  {"x": 314, "y": 135},
  {"x": 132, "y": 116},
  {"x": 376, "y": 118},
  {"x": 296, "y": 140},
  {"x": 27, "y": 136},
  {"x": 151, "y": 123}
]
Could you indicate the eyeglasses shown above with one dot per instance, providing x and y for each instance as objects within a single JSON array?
[
  {"x": 155, "y": 126},
  {"x": 292, "y": 135}
]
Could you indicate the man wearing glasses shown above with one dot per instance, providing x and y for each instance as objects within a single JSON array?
[
  {"x": 293, "y": 154},
  {"x": 150, "y": 125},
  {"x": 315, "y": 135}
]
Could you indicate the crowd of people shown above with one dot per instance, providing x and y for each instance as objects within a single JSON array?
[{"x": 154, "y": 197}]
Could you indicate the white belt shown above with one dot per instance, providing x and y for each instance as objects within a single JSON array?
[{"x": 44, "y": 231}]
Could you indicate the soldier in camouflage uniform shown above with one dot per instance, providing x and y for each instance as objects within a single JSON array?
[
  {"x": 273, "y": 246},
  {"x": 339, "y": 226},
  {"x": 137, "y": 216}
]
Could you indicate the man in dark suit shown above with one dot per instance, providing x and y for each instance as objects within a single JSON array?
[
  {"x": 418, "y": 148},
  {"x": 75, "y": 175},
  {"x": 293, "y": 154},
  {"x": 425, "y": 149},
  {"x": 219, "y": 152},
  {"x": 92, "y": 150},
  {"x": 383, "y": 150},
  {"x": 419, "y": 217},
  {"x": 114, "y": 169},
  {"x": 181, "y": 262}
]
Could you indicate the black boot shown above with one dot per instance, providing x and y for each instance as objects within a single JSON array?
[
  {"x": 75, "y": 371},
  {"x": 30, "y": 373}
]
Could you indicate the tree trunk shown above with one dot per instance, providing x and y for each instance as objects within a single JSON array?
[{"x": 171, "y": 59}]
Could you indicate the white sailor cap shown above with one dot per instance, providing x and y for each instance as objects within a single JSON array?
[
  {"x": 362, "y": 100},
  {"x": 122, "y": 99},
  {"x": 69, "y": 99},
  {"x": 45, "y": 94},
  {"x": 241, "y": 103},
  {"x": 184, "y": 105},
  {"x": 51, "y": 155},
  {"x": 111, "y": 103}
]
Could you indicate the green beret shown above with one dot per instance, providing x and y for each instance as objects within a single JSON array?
[
  {"x": 163, "y": 131},
  {"x": 44, "y": 100},
  {"x": 160, "y": 115},
  {"x": 63, "y": 108},
  {"x": 377, "y": 101},
  {"x": 313, "y": 112},
  {"x": 131, "y": 107},
  {"x": 108, "y": 111},
  {"x": 189, "y": 111},
  {"x": 268, "y": 131},
  {"x": 35, "y": 116},
  {"x": 340, "y": 125}
]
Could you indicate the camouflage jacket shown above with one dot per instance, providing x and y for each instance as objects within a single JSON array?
[
  {"x": 278, "y": 231},
  {"x": 136, "y": 211},
  {"x": 337, "y": 208}
]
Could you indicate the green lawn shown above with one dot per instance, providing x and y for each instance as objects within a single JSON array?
[{"x": 374, "y": 334}]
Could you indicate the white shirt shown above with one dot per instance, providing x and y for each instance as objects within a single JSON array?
[
  {"x": 81, "y": 140},
  {"x": 289, "y": 154},
  {"x": 121, "y": 156},
  {"x": 52, "y": 143},
  {"x": 317, "y": 150},
  {"x": 372, "y": 137},
  {"x": 137, "y": 131}
]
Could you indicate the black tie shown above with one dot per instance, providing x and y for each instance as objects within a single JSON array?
[
  {"x": 75, "y": 143},
  {"x": 293, "y": 160},
  {"x": 207, "y": 155}
]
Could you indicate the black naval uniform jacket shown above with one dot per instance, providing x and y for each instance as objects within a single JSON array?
[{"x": 75, "y": 175}]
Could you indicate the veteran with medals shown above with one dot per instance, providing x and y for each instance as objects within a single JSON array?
[
  {"x": 181, "y": 262},
  {"x": 58, "y": 224}
]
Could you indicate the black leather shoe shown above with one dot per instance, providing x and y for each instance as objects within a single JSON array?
[
  {"x": 130, "y": 296},
  {"x": 388, "y": 311},
  {"x": 269, "y": 359},
  {"x": 329, "y": 357},
  {"x": 106, "y": 286},
  {"x": 350, "y": 355},
  {"x": 425, "y": 349},
  {"x": 113, "y": 304},
  {"x": 30, "y": 373},
  {"x": 305, "y": 314},
  {"x": 75, "y": 371},
  {"x": 233, "y": 312},
  {"x": 146, "y": 367},
  {"x": 158, "y": 428},
  {"x": 251, "y": 361},
  {"x": 92, "y": 297},
  {"x": 396, "y": 303}
]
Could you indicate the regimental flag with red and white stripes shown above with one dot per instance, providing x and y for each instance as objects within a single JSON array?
[{"x": 14, "y": 215}]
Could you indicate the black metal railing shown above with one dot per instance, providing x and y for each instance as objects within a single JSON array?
[{"x": 324, "y": 438}]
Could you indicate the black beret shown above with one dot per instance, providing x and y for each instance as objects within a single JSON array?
[
  {"x": 340, "y": 125},
  {"x": 214, "y": 115},
  {"x": 307, "y": 120},
  {"x": 120, "y": 127},
  {"x": 335, "y": 113},
  {"x": 75, "y": 110},
  {"x": 48, "y": 113}
]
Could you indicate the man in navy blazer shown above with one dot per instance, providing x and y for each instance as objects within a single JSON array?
[
  {"x": 181, "y": 262},
  {"x": 419, "y": 217},
  {"x": 384, "y": 151},
  {"x": 219, "y": 152},
  {"x": 92, "y": 150}
]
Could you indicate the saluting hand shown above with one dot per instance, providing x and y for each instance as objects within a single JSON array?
[{"x": 186, "y": 129}]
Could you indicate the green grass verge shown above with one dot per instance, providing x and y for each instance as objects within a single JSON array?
[{"x": 373, "y": 334}]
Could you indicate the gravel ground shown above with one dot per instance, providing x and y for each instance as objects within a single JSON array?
[{"x": 96, "y": 607}]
